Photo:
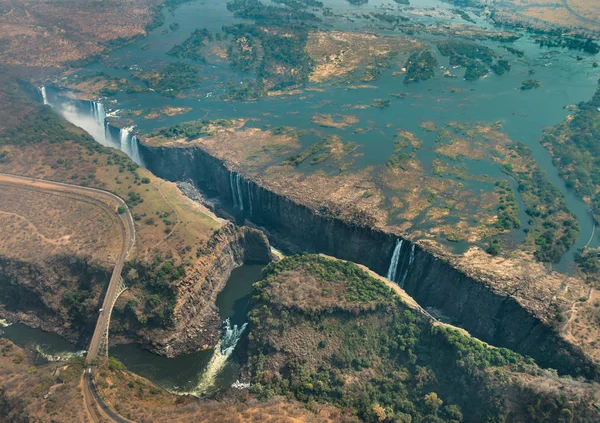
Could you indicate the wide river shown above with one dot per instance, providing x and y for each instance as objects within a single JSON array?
[{"x": 568, "y": 78}]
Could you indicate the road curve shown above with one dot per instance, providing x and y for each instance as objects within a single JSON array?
[
  {"x": 94, "y": 196},
  {"x": 579, "y": 15}
]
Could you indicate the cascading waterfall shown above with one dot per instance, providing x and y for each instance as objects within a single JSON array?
[
  {"x": 59, "y": 356},
  {"x": 235, "y": 180},
  {"x": 124, "y": 140},
  {"x": 249, "y": 196},
  {"x": 238, "y": 181},
  {"x": 411, "y": 258},
  {"x": 135, "y": 151},
  {"x": 98, "y": 112},
  {"x": 233, "y": 194},
  {"x": 391, "y": 274},
  {"x": 230, "y": 338},
  {"x": 44, "y": 95}
]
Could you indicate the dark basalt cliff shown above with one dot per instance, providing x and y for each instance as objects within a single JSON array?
[
  {"x": 62, "y": 294},
  {"x": 493, "y": 317}
]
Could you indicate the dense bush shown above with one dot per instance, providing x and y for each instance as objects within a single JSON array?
[{"x": 386, "y": 363}]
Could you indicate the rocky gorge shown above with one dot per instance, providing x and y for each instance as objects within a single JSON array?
[{"x": 477, "y": 300}]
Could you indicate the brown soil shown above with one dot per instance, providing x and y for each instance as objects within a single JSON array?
[{"x": 48, "y": 33}]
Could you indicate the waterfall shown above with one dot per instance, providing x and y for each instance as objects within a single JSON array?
[
  {"x": 135, "y": 151},
  {"x": 233, "y": 194},
  {"x": 4, "y": 323},
  {"x": 230, "y": 338},
  {"x": 44, "y": 95},
  {"x": 124, "y": 140},
  {"x": 411, "y": 258},
  {"x": 98, "y": 112},
  {"x": 391, "y": 274},
  {"x": 238, "y": 182},
  {"x": 59, "y": 356},
  {"x": 249, "y": 196}
]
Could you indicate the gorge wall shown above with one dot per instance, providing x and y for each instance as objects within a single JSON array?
[
  {"x": 196, "y": 321},
  {"x": 491, "y": 316}
]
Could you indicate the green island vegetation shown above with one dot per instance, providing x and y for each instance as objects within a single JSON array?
[
  {"x": 111, "y": 85},
  {"x": 318, "y": 152},
  {"x": 530, "y": 84},
  {"x": 255, "y": 10},
  {"x": 406, "y": 2},
  {"x": 518, "y": 53},
  {"x": 464, "y": 15},
  {"x": 508, "y": 211},
  {"x": 324, "y": 331},
  {"x": 501, "y": 67},
  {"x": 476, "y": 59},
  {"x": 357, "y": 2},
  {"x": 192, "y": 47},
  {"x": 173, "y": 79},
  {"x": 191, "y": 130},
  {"x": 401, "y": 156},
  {"x": 420, "y": 66},
  {"x": 158, "y": 18},
  {"x": 576, "y": 152},
  {"x": 274, "y": 54},
  {"x": 572, "y": 43},
  {"x": 300, "y": 4},
  {"x": 553, "y": 228}
]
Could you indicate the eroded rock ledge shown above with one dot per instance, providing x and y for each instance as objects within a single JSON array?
[
  {"x": 33, "y": 292},
  {"x": 506, "y": 302}
]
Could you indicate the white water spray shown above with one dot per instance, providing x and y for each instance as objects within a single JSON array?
[
  {"x": 233, "y": 194},
  {"x": 44, "y": 95},
  {"x": 59, "y": 356},
  {"x": 230, "y": 338},
  {"x": 135, "y": 151},
  {"x": 391, "y": 274},
  {"x": 249, "y": 196},
  {"x": 411, "y": 258},
  {"x": 124, "y": 140},
  {"x": 238, "y": 181},
  {"x": 4, "y": 323}
]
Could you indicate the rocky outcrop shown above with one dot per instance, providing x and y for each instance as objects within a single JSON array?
[
  {"x": 475, "y": 305},
  {"x": 35, "y": 293},
  {"x": 197, "y": 324},
  {"x": 63, "y": 294}
]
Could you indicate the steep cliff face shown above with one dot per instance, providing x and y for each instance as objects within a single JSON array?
[
  {"x": 63, "y": 294},
  {"x": 197, "y": 324},
  {"x": 59, "y": 294},
  {"x": 489, "y": 315}
]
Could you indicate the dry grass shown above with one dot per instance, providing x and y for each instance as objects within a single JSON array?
[
  {"x": 37, "y": 225},
  {"x": 37, "y": 392},
  {"x": 46, "y": 33},
  {"x": 337, "y": 54},
  {"x": 189, "y": 223},
  {"x": 579, "y": 13}
]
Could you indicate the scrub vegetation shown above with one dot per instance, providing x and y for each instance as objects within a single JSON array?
[
  {"x": 325, "y": 331},
  {"x": 576, "y": 152}
]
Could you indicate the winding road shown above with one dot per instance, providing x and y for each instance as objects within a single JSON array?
[
  {"x": 579, "y": 15},
  {"x": 96, "y": 407}
]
